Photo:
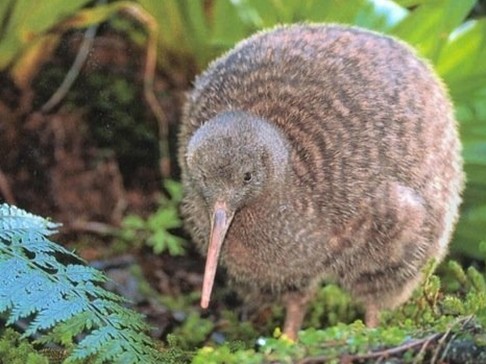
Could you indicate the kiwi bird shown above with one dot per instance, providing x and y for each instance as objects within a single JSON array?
[{"x": 312, "y": 152}]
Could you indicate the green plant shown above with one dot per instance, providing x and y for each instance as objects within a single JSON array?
[
  {"x": 24, "y": 32},
  {"x": 194, "y": 32},
  {"x": 60, "y": 301},
  {"x": 14, "y": 350},
  {"x": 431, "y": 326},
  {"x": 193, "y": 332},
  {"x": 154, "y": 231},
  {"x": 356, "y": 343}
]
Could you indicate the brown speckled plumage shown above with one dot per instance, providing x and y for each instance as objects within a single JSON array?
[{"x": 353, "y": 157}]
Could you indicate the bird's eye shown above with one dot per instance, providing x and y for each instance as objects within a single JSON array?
[{"x": 247, "y": 177}]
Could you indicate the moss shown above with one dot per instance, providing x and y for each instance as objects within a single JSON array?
[
  {"x": 15, "y": 350},
  {"x": 438, "y": 322}
]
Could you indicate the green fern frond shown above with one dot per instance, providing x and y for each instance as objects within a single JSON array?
[{"x": 61, "y": 301}]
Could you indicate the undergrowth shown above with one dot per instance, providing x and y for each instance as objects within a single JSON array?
[
  {"x": 443, "y": 322},
  {"x": 15, "y": 350},
  {"x": 156, "y": 230}
]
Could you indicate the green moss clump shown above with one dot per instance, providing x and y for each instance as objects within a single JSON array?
[
  {"x": 441, "y": 320},
  {"x": 15, "y": 350}
]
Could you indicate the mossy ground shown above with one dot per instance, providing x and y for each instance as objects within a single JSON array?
[{"x": 443, "y": 322}]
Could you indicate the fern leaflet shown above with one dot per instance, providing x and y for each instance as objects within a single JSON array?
[{"x": 61, "y": 301}]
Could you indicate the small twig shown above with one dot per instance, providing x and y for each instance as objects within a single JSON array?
[
  {"x": 419, "y": 356},
  {"x": 439, "y": 345},
  {"x": 149, "y": 21},
  {"x": 375, "y": 354},
  {"x": 315, "y": 359},
  {"x": 423, "y": 343},
  {"x": 5, "y": 189},
  {"x": 379, "y": 360},
  {"x": 73, "y": 73},
  {"x": 149, "y": 75},
  {"x": 331, "y": 343},
  {"x": 446, "y": 349},
  {"x": 395, "y": 350},
  {"x": 90, "y": 227}
]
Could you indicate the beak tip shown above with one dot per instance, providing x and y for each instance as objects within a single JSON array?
[{"x": 219, "y": 226}]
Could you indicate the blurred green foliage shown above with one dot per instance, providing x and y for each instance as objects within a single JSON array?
[
  {"x": 25, "y": 37},
  {"x": 155, "y": 230},
  {"x": 430, "y": 315},
  {"x": 23, "y": 22},
  {"x": 14, "y": 350}
]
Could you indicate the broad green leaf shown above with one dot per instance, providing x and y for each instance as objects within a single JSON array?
[
  {"x": 197, "y": 27},
  {"x": 472, "y": 111},
  {"x": 462, "y": 62},
  {"x": 28, "y": 20},
  {"x": 380, "y": 15},
  {"x": 183, "y": 32},
  {"x": 475, "y": 192},
  {"x": 428, "y": 26},
  {"x": 227, "y": 27},
  {"x": 237, "y": 19},
  {"x": 475, "y": 152},
  {"x": 256, "y": 14},
  {"x": 27, "y": 40},
  {"x": 470, "y": 230},
  {"x": 32, "y": 17},
  {"x": 172, "y": 26},
  {"x": 5, "y": 8},
  {"x": 372, "y": 14},
  {"x": 410, "y": 3}
]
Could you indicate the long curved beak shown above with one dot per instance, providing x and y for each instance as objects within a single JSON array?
[{"x": 220, "y": 222}]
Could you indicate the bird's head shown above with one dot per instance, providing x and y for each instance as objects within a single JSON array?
[{"x": 232, "y": 160}]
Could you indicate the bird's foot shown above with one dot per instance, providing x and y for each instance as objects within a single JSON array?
[
  {"x": 372, "y": 315},
  {"x": 296, "y": 307}
]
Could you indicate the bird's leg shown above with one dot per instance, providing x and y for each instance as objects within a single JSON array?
[
  {"x": 296, "y": 307},
  {"x": 372, "y": 315}
]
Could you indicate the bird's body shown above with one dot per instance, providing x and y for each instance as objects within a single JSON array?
[{"x": 313, "y": 152}]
